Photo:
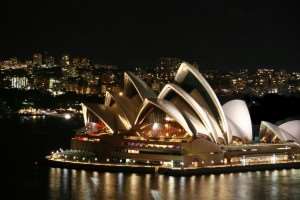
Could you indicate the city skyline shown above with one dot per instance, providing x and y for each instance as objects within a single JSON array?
[
  {"x": 233, "y": 34},
  {"x": 82, "y": 72},
  {"x": 45, "y": 58}
]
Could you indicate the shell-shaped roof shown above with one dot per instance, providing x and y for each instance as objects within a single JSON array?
[
  {"x": 203, "y": 120},
  {"x": 269, "y": 128},
  {"x": 191, "y": 80},
  {"x": 168, "y": 108},
  {"x": 102, "y": 113},
  {"x": 293, "y": 128},
  {"x": 126, "y": 107},
  {"x": 134, "y": 84},
  {"x": 239, "y": 119},
  {"x": 190, "y": 101}
]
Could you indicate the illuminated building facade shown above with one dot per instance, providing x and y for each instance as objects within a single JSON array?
[
  {"x": 19, "y": 82},
  {"x": 184, "y": 125}
]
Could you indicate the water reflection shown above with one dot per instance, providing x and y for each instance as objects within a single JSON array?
[{"x": 80, "y": 184}]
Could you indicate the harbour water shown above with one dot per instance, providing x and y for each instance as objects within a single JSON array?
[
  {"x": 56, "y": 183},
  {"x": 29, "y": 140}
]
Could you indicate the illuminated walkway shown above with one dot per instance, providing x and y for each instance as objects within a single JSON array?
[{"x": 210, "y": 169}]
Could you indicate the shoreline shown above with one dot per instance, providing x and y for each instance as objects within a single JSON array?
[{"x": 112, "y": 167}]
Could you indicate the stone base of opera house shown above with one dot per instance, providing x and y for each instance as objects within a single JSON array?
[
  {"x": 104, "y": 167},
  {"x": 177, "y": 154},
  {"x": 186, "y": 158}
]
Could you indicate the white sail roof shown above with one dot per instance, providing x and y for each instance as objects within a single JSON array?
[{"x": 239, "y": 120}]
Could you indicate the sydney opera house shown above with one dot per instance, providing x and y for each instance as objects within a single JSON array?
[{"x": 184, "y": 125}]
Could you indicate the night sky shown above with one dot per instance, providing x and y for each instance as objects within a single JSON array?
[{"x": 214, "y": 33}]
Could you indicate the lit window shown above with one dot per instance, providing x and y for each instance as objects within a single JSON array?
[{"x": 133, "y": 151}]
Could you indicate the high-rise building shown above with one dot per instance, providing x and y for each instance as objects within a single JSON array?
[
  {"x": 48, "y": 60},
  {"x": 37, "y": 59},
  {"x": 166, "y": 69},
  {"x": 169, "y": 62},
  {"x": 65, "y": 60},
  {"x": 19, "y": 82},
  {"x": 76, "y": 61},
  {"x": 14, "y": 61},
  {"x": 85, "y": 62}
]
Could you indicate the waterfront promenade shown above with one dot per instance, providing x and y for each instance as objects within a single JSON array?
[{"x": 173, "y": 171}]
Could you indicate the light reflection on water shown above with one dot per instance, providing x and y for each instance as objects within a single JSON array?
[{"x": 80, "y": 184}]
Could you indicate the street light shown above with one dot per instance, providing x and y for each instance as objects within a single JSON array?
[{"x": 67, "y": 116}]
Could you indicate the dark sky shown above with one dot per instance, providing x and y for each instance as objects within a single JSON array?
[{"x": 231, "y": 33}]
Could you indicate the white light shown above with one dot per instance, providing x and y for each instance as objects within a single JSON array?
[
  {"x": 273, "y": 159},
  {"x": 244, "y": 160},
  {"x": 155, "y": 126},
  {"x": 284, "y": 148},
  {"x": 167, "y": 118},
  {"x": 67, "y": 116}
]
